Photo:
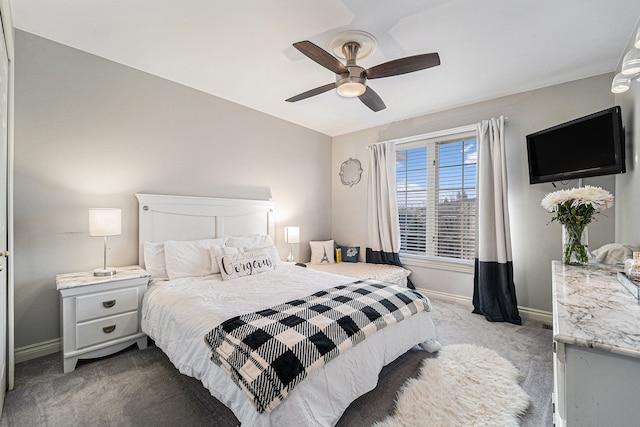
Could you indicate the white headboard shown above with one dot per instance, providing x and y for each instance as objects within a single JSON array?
[{"x": 164, "y": 217}]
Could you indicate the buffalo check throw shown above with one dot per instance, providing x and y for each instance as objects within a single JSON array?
[{"x": 267, "y": 353}]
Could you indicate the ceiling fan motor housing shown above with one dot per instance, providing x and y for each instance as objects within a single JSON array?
[{"x": 353, "y": 83}]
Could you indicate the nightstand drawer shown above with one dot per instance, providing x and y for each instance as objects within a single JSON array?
[
  {"x": 106, "y": 304},
  {"x": 107, "y": 329}
]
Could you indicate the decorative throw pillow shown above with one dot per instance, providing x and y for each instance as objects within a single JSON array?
[
  {"x": 350, "y": 253},
  {"x": 322, "y": 252},
  {"x": 244, "y": 264},
  {"x": 255, "y": 242},
  {"x": 154, "y": 260},
  {"x": 220, "y": 251},
  {"x": 189, "y": 258}
]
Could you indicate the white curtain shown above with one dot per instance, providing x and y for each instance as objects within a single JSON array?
[
  {"x": 494, "y": 293},
  {"x": 383, "y": 228}
]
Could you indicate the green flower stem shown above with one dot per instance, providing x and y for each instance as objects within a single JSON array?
[{"x": 574, "y": 245}]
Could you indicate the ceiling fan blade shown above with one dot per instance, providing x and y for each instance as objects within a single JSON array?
[
  {"x": 312, "y": 92},
  {"x": 403, "y": 66},
  {"x": 321, "y": 56},
  {"x": 372, "y": 100}
]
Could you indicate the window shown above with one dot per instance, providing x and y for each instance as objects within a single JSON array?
[{"x": 436, "y": 189}]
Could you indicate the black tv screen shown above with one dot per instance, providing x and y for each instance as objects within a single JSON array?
[{"x": 592, "y": 145}]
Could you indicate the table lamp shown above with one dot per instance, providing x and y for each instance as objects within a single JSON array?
[
  {"x": 105, "y": 222},
  {"x": 291, "y": 236}
]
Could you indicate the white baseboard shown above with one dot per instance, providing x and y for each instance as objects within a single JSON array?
[
  {"x": 447, "y": 297},
  {"x": 542, "y": 316},
  {"x": 3, "y": 383},
  {"x": 525, "y": 312},
  {"x": 36, "y": 350}
]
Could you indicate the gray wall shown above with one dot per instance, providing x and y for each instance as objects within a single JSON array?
[
  {"x": 92, "y": 133},
  {"x": 535, "y": 243},
  {"x": 628, "y": 185}
]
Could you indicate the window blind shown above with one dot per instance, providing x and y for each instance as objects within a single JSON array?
[{"x": 436, "y": 189}]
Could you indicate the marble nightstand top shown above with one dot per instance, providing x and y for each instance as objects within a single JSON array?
[
  {"x": 72, "y": 280},
  {"x": 592, "y": 309}
]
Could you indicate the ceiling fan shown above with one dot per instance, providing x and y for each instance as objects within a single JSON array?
[{"x": 351, "y": 79}]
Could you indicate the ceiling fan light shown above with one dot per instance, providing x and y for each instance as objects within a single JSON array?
[
  {"x": 620, "y": 83},
  {"x": 637, "y": 43},
  {"x": 351, "y": 85},
  {"x": 351, "y": 89},
  {"x": 631, "y": 62}
]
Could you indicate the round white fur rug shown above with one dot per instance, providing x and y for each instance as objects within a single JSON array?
[{"x": 466, "y": 385}]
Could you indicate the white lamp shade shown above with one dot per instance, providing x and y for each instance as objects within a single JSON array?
[
  {"x": 105, "y": 222},
  {"x": 351, "y": 89},
  {"x": 631, "y": 62},
  {"x": 620, "y": 83},
  {"x": 292, "y": 234}
]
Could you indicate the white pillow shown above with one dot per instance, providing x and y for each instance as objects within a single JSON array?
[
  {"x": 244, "y": 264},
  {"x": 220, "y": 251},
  {"x": 322, "y": 252},
  {"x": 189, "y": 258},
  {"x": 258, "y": 241},
  {"x": 613, "y": 253},
  {"x": 154, "y": 260}
]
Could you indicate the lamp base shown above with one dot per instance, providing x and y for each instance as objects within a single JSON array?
[{"x": 101, "y": 272}]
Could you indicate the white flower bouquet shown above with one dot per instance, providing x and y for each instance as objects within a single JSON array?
[{"x": 574, "y": 209}]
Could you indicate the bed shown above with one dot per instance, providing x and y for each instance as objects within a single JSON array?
[{"x": 178, "y": 313}]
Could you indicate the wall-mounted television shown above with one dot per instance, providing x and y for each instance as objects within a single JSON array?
[{"x": 592, "y": 145}]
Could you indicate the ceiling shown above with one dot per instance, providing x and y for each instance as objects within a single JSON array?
[{"x": 242, "y": 50}]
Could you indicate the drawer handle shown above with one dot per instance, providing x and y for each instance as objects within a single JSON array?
[
  {"x": 109, "y": 329},
  {"x": 108, "y": 304}
]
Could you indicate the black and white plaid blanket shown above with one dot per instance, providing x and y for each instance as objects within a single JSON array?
[{"x": 270, "y": 351}]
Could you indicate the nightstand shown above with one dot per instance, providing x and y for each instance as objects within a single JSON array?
[{"x": 100, "y": 315}]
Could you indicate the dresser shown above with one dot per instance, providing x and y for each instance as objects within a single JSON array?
[
  {"x": 100, "y": 315},
  {"x": 596, "y": 338}
]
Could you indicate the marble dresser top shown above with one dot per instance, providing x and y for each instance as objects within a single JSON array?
[
  {"x": 71, "y": 280},
  {"x": 591, "y": 309}
]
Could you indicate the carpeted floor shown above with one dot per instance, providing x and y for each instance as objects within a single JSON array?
[{"x": 139, "y": 388}]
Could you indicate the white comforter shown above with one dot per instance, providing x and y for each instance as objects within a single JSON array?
[{"x": 177, "y": 314}]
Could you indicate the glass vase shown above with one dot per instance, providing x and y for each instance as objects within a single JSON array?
[{"x": 575, "y": 244}]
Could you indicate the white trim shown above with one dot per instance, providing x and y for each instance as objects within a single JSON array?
[
  {"x": 36, "y": 350},
  {"x": 436, "y": 134},
  {"x": 525, "y": 312},
  {"x": 545, "y": 317},
  {"x": 447, "y": 297},
  {"x": 460, "y": 266},
  {"x": 432, "y": 143},
  {"x": 7, "y": 24},
  {"x": 10, "y": 233}
]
